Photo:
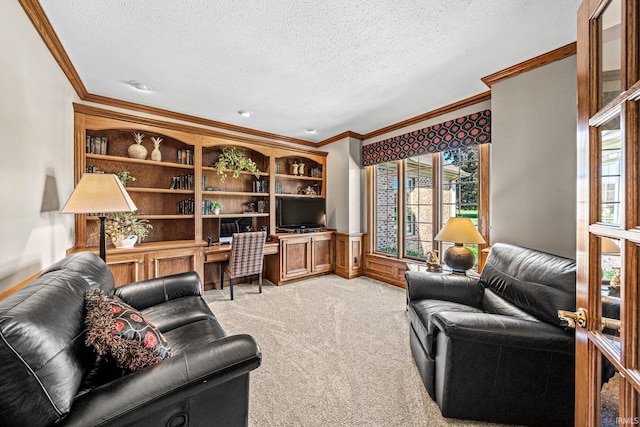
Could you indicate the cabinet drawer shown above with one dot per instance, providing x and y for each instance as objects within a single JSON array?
[{"x": 217, "y": 257}]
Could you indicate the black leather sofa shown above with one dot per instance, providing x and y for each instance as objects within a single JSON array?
[
  {"x": 49, "y": 376},
  {"x": 493, "y": 348}
]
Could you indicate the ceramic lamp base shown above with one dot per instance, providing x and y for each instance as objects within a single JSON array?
[{"x": 459, "y": 258}]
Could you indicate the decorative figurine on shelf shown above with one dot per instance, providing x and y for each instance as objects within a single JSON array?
[
  {"x": 308, "y": 190},
  {"x": 433, "y": 264},
  {"x": 137, "y": 150},
  {"x": 156, "y": 154},
  {"x": 252, "y": 207},
  {"x": 294, "y": 168}
]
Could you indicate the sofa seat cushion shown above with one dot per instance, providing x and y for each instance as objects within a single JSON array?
[
  {"x": 118, "y": 331},
  {"x": 421, "y": 314},
  {"x": 178, "y": 312},
  {"x": 191, "y": 336}
]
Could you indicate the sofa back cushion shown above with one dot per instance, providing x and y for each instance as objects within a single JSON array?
[
  {"x": 90, "y": 267},
  {"x": 492, "y": 303},
  {"x": 535, "y": 282},
  {"x": 42, "y": 350}
]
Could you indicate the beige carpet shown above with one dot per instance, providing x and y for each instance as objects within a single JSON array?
[{"x": 335, "y": 353}]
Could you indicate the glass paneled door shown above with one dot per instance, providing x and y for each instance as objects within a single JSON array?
[{"x": 608, "y": 254}]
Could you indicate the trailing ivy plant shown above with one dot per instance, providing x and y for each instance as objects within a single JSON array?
[
  {"x": 125, "y": 176},
  {"x": 232, "y": 159}
]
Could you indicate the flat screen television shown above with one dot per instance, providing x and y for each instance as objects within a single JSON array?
[{"x": 301, "y": 213}]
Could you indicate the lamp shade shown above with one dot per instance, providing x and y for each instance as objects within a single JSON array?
[
  {"x": 459, "y": 230},
  {"x": 608, "y": 246},
  {"x": 98, "y": 192}
]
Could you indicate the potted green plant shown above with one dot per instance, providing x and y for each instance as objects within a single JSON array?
[
  {"x": 125, "y": 229},
  {"x": 125, "y": 176},
  {"x": 232, "y": 159},
  {"x": 216, "y": 207}
]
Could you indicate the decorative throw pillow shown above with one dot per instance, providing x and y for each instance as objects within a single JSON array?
[{"x": 118, "y": 331}]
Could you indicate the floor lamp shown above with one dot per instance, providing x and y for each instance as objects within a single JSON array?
[{"x": 99, "y": 193}]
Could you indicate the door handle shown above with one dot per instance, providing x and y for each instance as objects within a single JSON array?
[
  {"x": 611, "y": 324},
  {"x": 570, "y": 318}
]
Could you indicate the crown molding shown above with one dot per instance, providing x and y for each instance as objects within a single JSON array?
[
  {"x": 187, "y": 128},
  {"x": 484, "y": 96},
  {"x": 530, "y": 64},
  {"x": 112, "y": 102},
  {"x": 343, "y": 135},
  {"x": 40, "y": 21}
]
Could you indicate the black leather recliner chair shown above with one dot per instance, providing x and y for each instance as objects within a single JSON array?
[{"x": 493, "y": 349}]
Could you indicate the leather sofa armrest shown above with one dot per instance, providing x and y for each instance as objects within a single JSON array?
[
  {"x": 495, "y": 329},
  {"x": 197, "y": 370},
  {"x": 147, "y": 293},
  {"x": 446, "y": 287}
]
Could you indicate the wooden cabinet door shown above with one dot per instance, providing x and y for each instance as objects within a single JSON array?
[
  {"x": 173, "y": 261},
  {"x": 127, "y": 268},
  {"x": 323, "y": 253},
  {"x": 295, "y": 257}
]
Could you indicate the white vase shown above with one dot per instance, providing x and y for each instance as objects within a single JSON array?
[
  {"x": 156, "y": 155},
  {"x": 126, "y": 242},
  {"x": 137, "y": 151}
]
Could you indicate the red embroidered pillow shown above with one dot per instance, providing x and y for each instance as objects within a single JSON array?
[{"x": 120, "y": 332}]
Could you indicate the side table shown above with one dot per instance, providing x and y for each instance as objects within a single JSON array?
[{"x": 421, "y": 266}]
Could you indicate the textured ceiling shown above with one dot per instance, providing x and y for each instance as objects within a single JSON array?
[{"x": 334, "y": 65}]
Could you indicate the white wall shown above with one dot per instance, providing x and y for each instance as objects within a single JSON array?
[
  {"x": 345, "y": 186},
  {"x": 533, "y": 159},
  {"x": 36, "y": 136}
]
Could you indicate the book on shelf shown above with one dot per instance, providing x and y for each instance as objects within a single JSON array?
[
  {"x": 182, "y": 182},
  {"x": 186, "y": 207},
  {"x": 185, "y": 157},
  {"x": 96, "y": 144}
]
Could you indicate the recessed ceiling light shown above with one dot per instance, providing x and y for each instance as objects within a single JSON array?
[
  {"x": 245, "y": 113},
  {"x": 312, "y": 131},
  {"x": 139, "y": 86}
]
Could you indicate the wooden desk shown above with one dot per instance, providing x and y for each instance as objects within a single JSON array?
[{"x": 216, "y": 254}]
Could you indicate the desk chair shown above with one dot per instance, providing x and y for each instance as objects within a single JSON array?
[{"x": 247, "y": 256}]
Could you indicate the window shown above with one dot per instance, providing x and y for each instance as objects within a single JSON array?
[
  {"x": 435, "y": 187},
  {"x": 418, "y": 206},
  {"x": 386, "y": 208},
  {"x": 460, "y": 188}
]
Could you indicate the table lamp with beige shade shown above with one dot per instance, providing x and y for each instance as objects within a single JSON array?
[
  {"x": 459, "y": 231},
  {"x": 101, "y": 194}
]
